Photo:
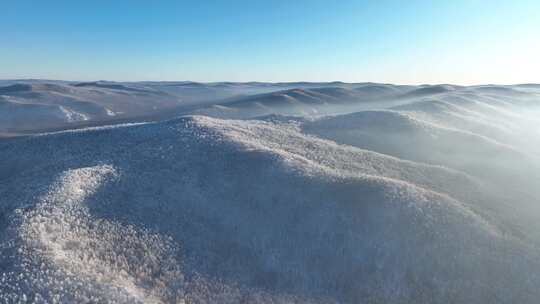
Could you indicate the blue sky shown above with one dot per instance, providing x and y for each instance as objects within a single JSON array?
[{"x": 459, "y": 41}]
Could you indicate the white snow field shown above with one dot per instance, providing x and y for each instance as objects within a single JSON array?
[{"x": 276, "y": 193}]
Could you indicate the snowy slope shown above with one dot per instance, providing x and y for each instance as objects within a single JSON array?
[
  {"x": 32, "y": 106},
  {"x": 36, "y": 106},
  {"x": 308, "y": 101},
  {"x": 432, "y": 198},
  {"x": 219, "y": 211}
]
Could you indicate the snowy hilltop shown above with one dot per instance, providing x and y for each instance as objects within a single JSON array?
[{"x": 269, "y": 193}]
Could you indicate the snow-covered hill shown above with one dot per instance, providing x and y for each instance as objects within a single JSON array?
[
  {"x": 33, "y": 106},
  {"x": 430, "y": 198}
]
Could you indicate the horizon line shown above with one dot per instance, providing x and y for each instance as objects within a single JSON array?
[{"x": 272, "y": 82}]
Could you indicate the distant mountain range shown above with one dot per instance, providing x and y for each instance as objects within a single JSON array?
[{"x": 29, "y": 106}]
